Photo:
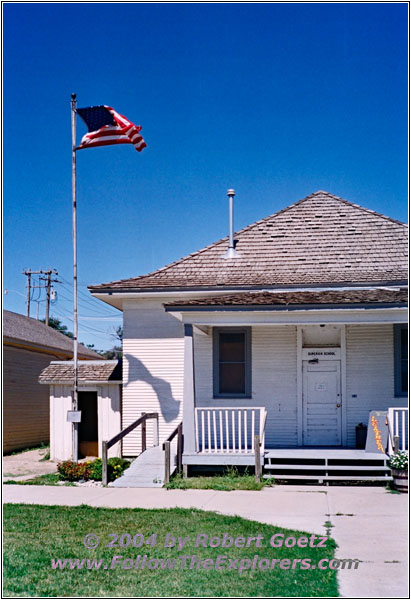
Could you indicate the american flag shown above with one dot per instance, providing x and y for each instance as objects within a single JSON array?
[{"x": 106, "y": 126}]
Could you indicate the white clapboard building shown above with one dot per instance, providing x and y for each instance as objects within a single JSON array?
[{"x": 291, "y": 330}]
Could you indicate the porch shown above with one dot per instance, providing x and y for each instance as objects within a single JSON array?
[
  {"x": 236, "y": 436},
  {"x": 299, "y": 377},
  {"x": 232, "y": 436}
]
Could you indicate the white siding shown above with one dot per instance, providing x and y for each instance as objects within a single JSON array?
[
  {"x": 153, "y": 370},
  {"x": 109, "y": 417},
  {"x": 153, "y": 373},
  {"x": 108, "y": 414},
  {"x": 274, "y": 380},
  {"x": 60, "y": 429},
  {"x": 370, "y": 373}
]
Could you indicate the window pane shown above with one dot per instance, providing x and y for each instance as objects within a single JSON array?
[
  {"x": 232, "y": 378},
  {"x": 404, "y": 343},
  {"x": 401, "y": 359},
  {"x": 404, "y": 376},
  {"x": 232, "y": 347}
]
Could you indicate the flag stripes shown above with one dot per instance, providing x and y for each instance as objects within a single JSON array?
[{"x": 119, "y": 130}]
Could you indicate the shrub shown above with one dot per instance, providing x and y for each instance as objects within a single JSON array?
[
  {"x": 399, "y": 461},
  {"x": 96, "y": 469},
  {"x": 92, "y": 469},
  {"x": 116, "y": 467},
  {"x": 72, "y": 471}
]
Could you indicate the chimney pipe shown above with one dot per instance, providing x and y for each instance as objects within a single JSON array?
[{"x": 231, "y": 252}]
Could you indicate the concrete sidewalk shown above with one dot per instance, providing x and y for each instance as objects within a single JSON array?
[{"x": 368, "y": 523}]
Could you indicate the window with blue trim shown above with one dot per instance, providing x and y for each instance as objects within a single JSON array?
[
  {"x": 401, "y": 359},
  {"x": 232, "y": 362}
]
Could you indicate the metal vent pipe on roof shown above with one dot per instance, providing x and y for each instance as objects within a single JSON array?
[{"x": 231, "y": 252}]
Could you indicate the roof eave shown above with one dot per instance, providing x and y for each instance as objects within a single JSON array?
[
  {"x": 81, "y": 382},
  {"x": 285, "y": 307},
  {"x": 138, "y": 291},
  {"x": 45, "y": 349}
]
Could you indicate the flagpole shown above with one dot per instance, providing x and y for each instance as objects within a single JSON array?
[{"x": 75, "y": 315}]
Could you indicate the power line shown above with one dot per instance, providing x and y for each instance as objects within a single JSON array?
[
  {"x": 95, "y": 308},
  {"x": 90, "y": 308},
  {"x": 84, "y": 326},
  {"x": 93, "y": 301},
  {"x": 95, "y": 334},
  {"x": 93, "y": 317}
]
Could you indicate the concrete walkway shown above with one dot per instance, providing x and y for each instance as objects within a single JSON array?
[{"x": 368, "y": 523}]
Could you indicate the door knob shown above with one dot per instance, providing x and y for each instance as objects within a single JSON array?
[{"x": 338, "y": 405}]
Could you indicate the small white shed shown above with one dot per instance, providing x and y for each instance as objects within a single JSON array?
[{"x": 99, "y": 400}]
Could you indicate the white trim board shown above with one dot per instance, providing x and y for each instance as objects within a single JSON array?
[{"x": 311, "y": 317}]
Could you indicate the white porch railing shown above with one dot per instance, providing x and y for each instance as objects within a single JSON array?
[
  {"x": 229, "y": 430},
  {"x": 398, "y": 428}
]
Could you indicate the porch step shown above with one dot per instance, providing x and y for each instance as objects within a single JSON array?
[
  {"x": 327, "y": 467},
  {"x": 147, "y": 470},
  {"x": 323, "y": 465},
  {"x": 320, "y": 478}
]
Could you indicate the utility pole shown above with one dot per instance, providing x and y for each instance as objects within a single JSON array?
[
  {"x": 28, "y": 274},
  {"x": 48, "y": 281}
]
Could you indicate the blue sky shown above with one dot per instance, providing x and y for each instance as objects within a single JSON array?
[{"x": 275, "y": 100}]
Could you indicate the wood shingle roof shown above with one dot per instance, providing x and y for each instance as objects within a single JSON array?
[
  {"x": 25, "y": 330},
  {"x": 320, "y": 240},
  {"x": 88, "y": 371},
  {"x": 351, "y": 297}
]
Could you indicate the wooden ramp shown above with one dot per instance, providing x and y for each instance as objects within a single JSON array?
[{"x": 147, "y": 470}]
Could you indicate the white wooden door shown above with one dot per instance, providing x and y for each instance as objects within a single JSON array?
[{"x": 321, "y": 403}]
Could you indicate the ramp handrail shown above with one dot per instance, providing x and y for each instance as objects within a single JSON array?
[
  {"x": 259, "y": 443},
  {"x": 178, "y": 431},
  {"x": 140, "y": 421}
]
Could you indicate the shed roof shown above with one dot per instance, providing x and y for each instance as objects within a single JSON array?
[
  {"x": 20, "y": 328},
  {"x": 351, "y": 297},
  {"x": 88, "y": 371},
  {"x": 319, "y": 240}
]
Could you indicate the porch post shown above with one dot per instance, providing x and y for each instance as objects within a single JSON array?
[{"x": 189, "y": 391}]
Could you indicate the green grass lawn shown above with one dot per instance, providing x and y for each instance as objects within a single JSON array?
[
  {"x": 33, "y": 535},
  {"x": 226, "y": 482},
  {"x": 47, "y": 479}
]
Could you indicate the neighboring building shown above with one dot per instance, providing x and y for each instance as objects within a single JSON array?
[
  {"x": 296, "y": 338},
  {"x": 99, "y": 400},
  {"x": 28, "y": 347}
]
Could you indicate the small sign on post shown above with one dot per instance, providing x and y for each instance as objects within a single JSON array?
[
  {"x": 377, "y": 432},
  {"x": 74, "y": 416}
]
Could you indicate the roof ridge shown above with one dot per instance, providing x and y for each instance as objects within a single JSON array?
[
  {"x": 216, "y": 243},
  {"x": 363, "y": 208},
  {"x": 251, "y": 226}
]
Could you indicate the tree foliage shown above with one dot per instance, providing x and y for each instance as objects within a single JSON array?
[{"x": 58, "y": 325}]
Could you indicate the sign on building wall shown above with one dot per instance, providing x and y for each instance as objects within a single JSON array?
[
  {"x": 321, "y": 353},
  {"x": 74, "y": 416}
]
